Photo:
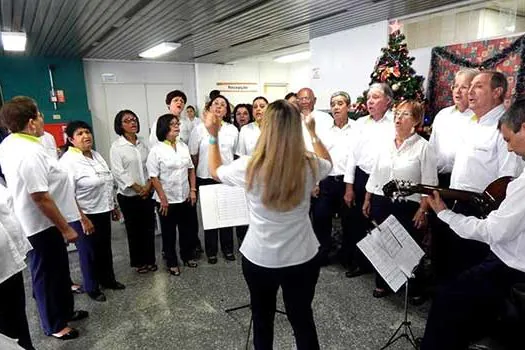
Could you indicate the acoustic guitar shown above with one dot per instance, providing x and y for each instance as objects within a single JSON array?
[{"x": 485, "y": 202}]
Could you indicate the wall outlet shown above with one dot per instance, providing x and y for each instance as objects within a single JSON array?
[{"x": 56, "y": 116}]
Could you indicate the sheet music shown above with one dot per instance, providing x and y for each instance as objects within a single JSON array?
[
  {"x": 372, "y": 248},
  {"x": 223, "y": 206},
  {"x": 392, "y": 252}
]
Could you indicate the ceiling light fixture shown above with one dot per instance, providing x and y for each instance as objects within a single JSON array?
[
  {"x": 12, "y": 41},
  {"x": 159, "y": 50},
  {"x": 295, "y": 57}
]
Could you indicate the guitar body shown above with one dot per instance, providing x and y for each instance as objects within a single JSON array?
[{"x": 485, "y": 202}]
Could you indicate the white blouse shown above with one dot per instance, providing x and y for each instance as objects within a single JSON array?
[
  {"x": 171, "y": 166},
  {"x": 276, "y": 239},
  {"x": 199, "y": 142},
  {"x": 128, "y": 164},
  {"x": 338, "y": 142},
  {"x": 93, "y": 181},
  {"x": 413, "y": 161},
  {"x": 248, "y": 137},
  {"x": 13, "y": 243},
  {"x": 29, "y": 169}
]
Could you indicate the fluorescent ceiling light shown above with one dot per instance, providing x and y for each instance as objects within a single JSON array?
[
  {"x": 159, "y": 50},
  {"x": 299, "y": 56},
  {"x": 14, "y": 41}
]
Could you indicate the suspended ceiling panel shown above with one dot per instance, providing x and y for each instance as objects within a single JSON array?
[{"x": 216, "y": 31}]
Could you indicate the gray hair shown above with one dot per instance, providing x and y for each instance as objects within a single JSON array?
[
  {"x": 343, "y": 94},
  {"x": 470, "y": 73},
  {"x": 385, "y": 89},
  {"x": 514, "y": 117}
]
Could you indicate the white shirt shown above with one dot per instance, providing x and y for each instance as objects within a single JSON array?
[
  {"x": 276, "y": 239},
  {"x": 50, "y": 144},
  {"x": 413, "y": 161},
  {"x": 171, "y": 166},
  {"x": 248, "y": 137},
  {"x": 483, "y": 156},
  {"x": 503, "y": 230},
  {"x": 368, "y": 135},
  {"x": 29, "y": 169},
  {"x": 338, "y": 142},
  {"x": 13, "y": 243},
  {"x": 447, "y": 133},
  {"x": 128, "y": 164},
  {"x": 186, "y": 127},
  {"x": 93, "y": 180},
  {"x": 199, "y": 142},
  {"x": 323, "y": 122}
]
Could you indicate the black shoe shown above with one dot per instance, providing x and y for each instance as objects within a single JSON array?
[
  {"x": 72, "y": 334},
  {"x": 229, "y": 256},
  {"x": 79, "y": 315},
  {"x": 97, "y": 295},
  {"x": 212, "y": 260},
  {"x": 114, "y": 285},
  {"x": 380, "y": 293},
  {"x": 191, "y": 263},
  {"x": 354, "y": 272}
]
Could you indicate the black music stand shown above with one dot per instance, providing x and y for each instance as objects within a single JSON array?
[
  {"x": 404, "y": 330},
  {"x": 248, "y": 306}
]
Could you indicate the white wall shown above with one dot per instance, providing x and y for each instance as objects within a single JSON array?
[
  {"x": 296, "y": 75},
  {"x": 345, "y": 60},
  {"x": 139, "y": 86},
  {"x": 421, "y": 62}
]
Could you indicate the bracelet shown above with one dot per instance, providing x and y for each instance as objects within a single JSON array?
[
  {"x": 212, "y": 140},
  {"x": 193, "y": 190}
]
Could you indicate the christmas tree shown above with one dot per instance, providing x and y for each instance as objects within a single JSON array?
[{"x": 394, "y": 67}]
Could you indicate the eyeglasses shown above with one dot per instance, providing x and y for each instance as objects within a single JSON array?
[
  {"x": 130, "y": 120},
  {"x": 460, "y": 87},
  {"x": 175, "y": 123},
  {"x": 404, "y": 114}
]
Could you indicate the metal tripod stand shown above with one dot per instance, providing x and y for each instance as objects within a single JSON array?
[{"x": 404, "y": 330}]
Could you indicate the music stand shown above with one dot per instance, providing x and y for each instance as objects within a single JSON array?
[
  {"x": 248, "y": 306},
  {"x": 404, "y": 329}
]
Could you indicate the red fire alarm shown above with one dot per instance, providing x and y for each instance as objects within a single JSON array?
[{"x": 60, "y": 96}]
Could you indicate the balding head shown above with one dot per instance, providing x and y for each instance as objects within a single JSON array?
[{"x": 306, "y": 100}]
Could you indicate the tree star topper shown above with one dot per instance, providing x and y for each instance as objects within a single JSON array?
[{"x": 395, "y": 26}]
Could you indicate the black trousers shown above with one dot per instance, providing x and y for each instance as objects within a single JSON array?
[
  {"x": 359, "y": 225},
  {"x": 451, "y": 254},
  {"x": 329, "y": 202},
  {"x": 178, "y": 218},
  {"x": 51, "y": 282},
  {"x": 241, "y": 231},
  {"x": 103, "y": 260},
  {"x": 13, "y": 319},
  {"x": 194, "y": 221},
  {"x": 463, "y": 308},
  {"x": 404, "y": 211},
  {"x": 139, "y": 219},
  {"x": 298, "y": 285},
  {"x": 212, "y": 236}
]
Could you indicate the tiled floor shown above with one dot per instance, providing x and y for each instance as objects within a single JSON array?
[{"x": 160, "y": 311}]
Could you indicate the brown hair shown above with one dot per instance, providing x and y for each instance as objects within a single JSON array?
[
  {"x": 416, "y": 108},
  {"x": 16, "y": 113},
  {"x": 279, "y": 160}
]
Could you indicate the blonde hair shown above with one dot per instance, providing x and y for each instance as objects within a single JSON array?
[{"x": 279, "y": 160}]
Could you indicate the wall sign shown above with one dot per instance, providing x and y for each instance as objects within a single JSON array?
[{"x": 237, "y": 87}]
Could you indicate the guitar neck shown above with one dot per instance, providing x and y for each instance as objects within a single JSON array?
[{"x": 446, "y": 193}]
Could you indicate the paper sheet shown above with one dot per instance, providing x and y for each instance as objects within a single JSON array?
[
  {"x": 223, "y": 206},
  {"x": 392, "y": 252}
]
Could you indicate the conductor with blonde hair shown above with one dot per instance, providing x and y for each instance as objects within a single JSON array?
[{"x": 280, "y": 248}]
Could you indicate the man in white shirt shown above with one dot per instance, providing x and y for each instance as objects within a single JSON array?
[
  {"x": 467, "y": 304},
  {"x": 323, "y": 121},
  {"x": 481, "y": 159},
  {"x": 448, "y": 125},
  {"x": 370, "y": 132},
  {"x": 175, "y": 101}
]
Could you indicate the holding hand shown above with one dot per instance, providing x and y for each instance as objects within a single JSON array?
[
  {"x": 436, "y": 202},
  {"x": 115, "y": 214},
  {"x": 163, "y": 210},
  {"x": 87, "y": 225},
  {"x": 70, "y": 235},
  {"x": 420, "y": 219},
  {"x": 192, "y": 198},
  {"x": 349, "y": 197}
]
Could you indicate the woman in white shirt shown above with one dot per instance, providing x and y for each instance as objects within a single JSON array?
[
  {"x": 127, "y": 157},
  {"x": 173, "y": 176},
  {"x": 408, "y": 157},
  {"x": 242, "y": 115},
  {"x": 220, "y": 107},
  {"x": 280, "y": 247},
  {"x": 94, "y": 193},
  {"x": 13, "y": 249},
  {"x": 44, "y": 203}
]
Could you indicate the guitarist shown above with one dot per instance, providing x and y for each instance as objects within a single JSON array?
[
  {"x": 480, "y": 159},
  {"x": 465, "y": 305}
]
